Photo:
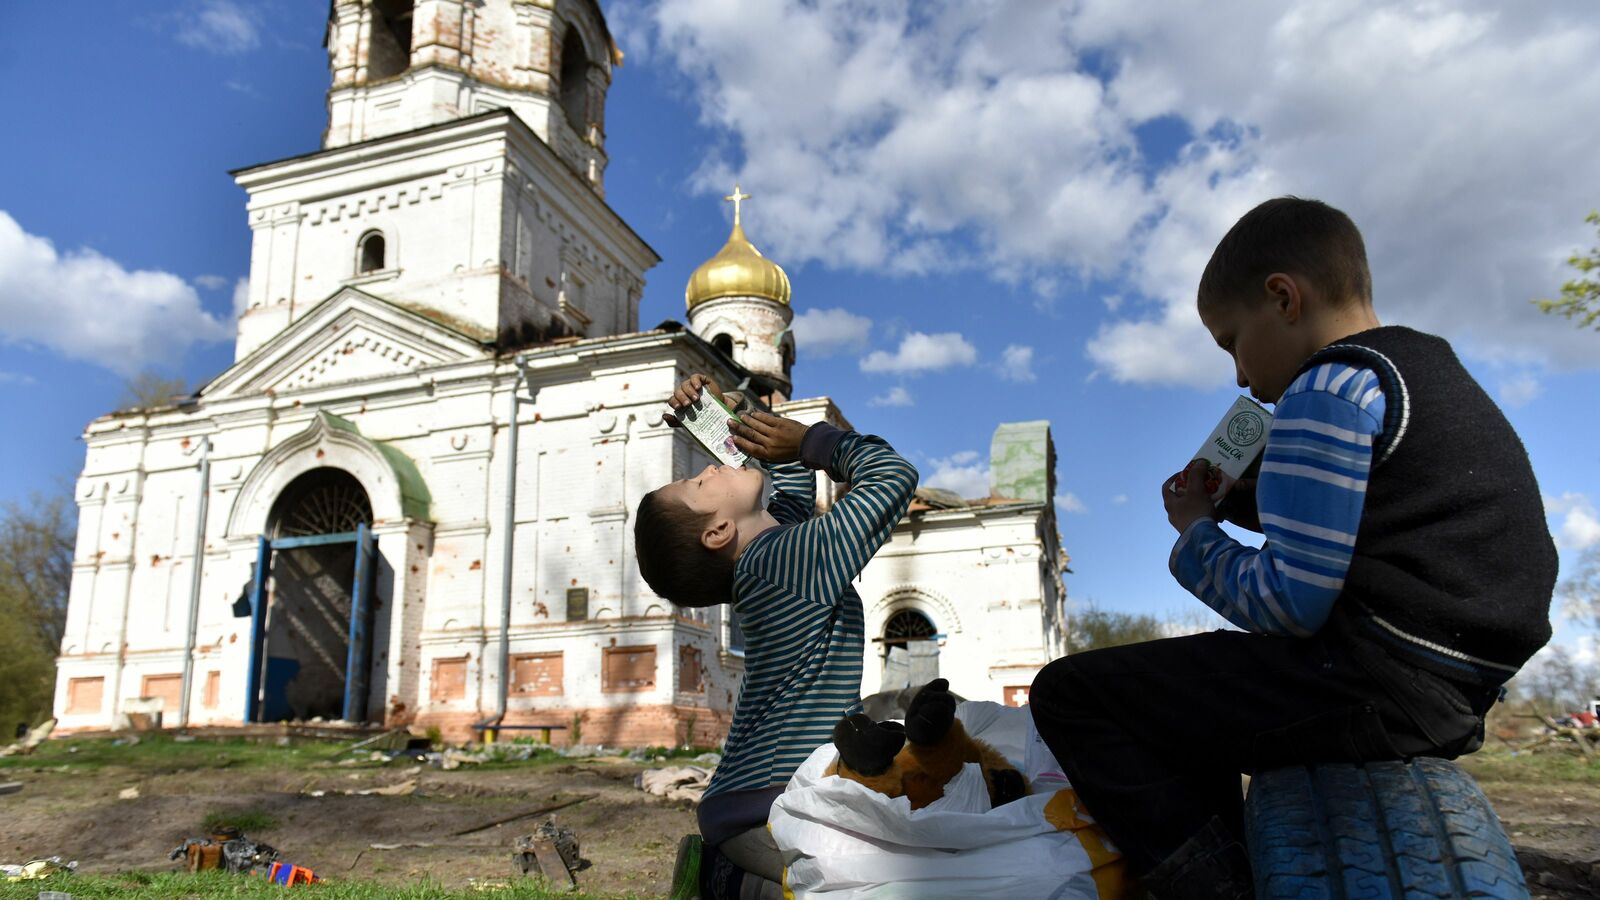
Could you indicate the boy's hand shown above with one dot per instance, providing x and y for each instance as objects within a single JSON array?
[
  {"x": 1185, "y": 497},
  {"x": 767, "y": 437},
  {"x": 688, "y": 393}
]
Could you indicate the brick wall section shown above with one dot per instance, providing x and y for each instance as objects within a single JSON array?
[{"x": 632, "y": 726}]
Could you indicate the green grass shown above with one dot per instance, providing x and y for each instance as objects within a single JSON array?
[
  {"x": 1559, "y": 766},
  {"x": 248, "y": 821},
  {"x": 159, "y": 753},
  {"x": 181, "y": 886}
]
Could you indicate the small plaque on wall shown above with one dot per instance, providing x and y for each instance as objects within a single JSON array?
[{"x": 577, "y": 604}]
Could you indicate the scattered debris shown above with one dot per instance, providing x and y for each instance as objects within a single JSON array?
[
  {"x": 227, "y": 849},
  {"x": 536, "y": 855},
  {"x": 290, "y": 875},
  {"x": 10, "y": 787},
  {"x": 675, "y": 782},
  {"x": 54, "y": 895},
  {"x": 35, "y": 869},
  {"x": 127, "y": 740},
  {"x": 403, "y": 789},
  {"x": 128, "y": 793},
  {"x": 551, "y": 851},
  {"x": 523, "y": 815},
  {"x": 396, "y": 739},
  {"x": 35, "y": 737}
]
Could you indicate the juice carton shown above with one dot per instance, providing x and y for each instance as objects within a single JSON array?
[
  {"x": 1233, "y": 445},
  {"x": 707, "y": 422}
]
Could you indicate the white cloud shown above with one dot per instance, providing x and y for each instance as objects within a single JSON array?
[
  {"x": 1119, "y": 500},
  {"x": 223, "y": 27},
  {"x": 920, "y": 352},
  {"x": 85, "y": 306},
  {"x": 923, "y": 137},
  {"x": 16, "y": 378},
  {"x": 210, "y": 282},
  {"x": 1520, "y": 390},
  {"x": 241, "y": 296},
  {"x": 1580, "y": 522},
  {"x": 961, "y": 473},
  {"x": 1068, "y": 502},
  {"x": 1016, "y": 364},
  {"x": 824, "y": 332},
  {"x": 896, "y": 396}
]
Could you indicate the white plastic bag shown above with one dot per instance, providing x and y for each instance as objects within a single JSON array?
[{"x": 842, "y": 839}]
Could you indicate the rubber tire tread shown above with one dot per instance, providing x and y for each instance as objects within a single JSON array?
[{"x": 1415, "y": 830}]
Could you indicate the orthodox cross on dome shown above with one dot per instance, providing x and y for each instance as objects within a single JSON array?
[{"x": 736, "y": 198}]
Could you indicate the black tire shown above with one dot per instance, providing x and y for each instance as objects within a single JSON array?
[{"x": 1414, "y": 830}]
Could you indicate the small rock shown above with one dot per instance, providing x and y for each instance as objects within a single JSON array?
[{"x": 129, "y": 793}]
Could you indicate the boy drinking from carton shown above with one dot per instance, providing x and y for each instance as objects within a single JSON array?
[
  {"x": 715, "y": 538},
  {"x": 1406, "y": 574}
]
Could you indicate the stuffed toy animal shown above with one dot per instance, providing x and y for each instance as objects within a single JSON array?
[{"x": 917, "y": 759}]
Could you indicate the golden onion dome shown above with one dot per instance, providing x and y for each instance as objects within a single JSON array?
[{"x": 738, "y": 269}]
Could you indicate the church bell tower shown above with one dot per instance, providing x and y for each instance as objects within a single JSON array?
[
  {"x": 739, "y": 303},
  {"x": 399, "y": 65}
]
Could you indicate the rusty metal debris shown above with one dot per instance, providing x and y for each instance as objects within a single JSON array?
[
  {"x": 227, "y": 849},
  {"x": 524, "y": 815}
]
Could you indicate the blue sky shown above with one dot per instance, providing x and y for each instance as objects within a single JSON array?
[{"x": 989, "y": 211}]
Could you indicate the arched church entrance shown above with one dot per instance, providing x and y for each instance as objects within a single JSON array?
[{"x": 314, "y": 640}]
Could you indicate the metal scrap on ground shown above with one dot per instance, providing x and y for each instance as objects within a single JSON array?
[{"x": 523, "y": 815}]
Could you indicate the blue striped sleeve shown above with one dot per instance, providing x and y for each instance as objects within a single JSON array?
[
  {"x": 794, "y": 493},
  {"x": 1310, "y": 496},
  {"x": 817, "y": 558}
]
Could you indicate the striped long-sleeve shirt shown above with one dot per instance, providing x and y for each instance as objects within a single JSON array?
[
  {"x": 1310, "y": 495},
  {"x": 801, "y": 617}
]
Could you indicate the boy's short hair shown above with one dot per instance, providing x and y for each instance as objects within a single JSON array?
[
  {"x": 666, "y": 537},
  {"x": 1292, "y": 235}
]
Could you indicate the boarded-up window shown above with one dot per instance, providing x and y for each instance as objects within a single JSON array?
[
  {"x": 1017, "y": 695},
  {"x": 536, "y": 674},
  {"x": 691, "y": 671},
  {"x": 629, "y": 669},
  {"x": 449, "y": 680},
  {"x": 84, "y": 695},
  {"x": 169, "y": 688},
  {"x": 213, "y": 689}
]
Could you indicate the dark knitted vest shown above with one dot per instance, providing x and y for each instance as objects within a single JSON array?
[{"x": 1453, "y": 565}]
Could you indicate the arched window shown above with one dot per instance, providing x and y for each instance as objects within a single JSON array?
[
  {"x": 372, "y": 256},
  {"x": 575, "y": 81},
  {"x": 322, "y": 501},
  {"x": 724, "y": 344},
  {"x": 389, "y": 47},
  {"x": 905, "y": 627}
]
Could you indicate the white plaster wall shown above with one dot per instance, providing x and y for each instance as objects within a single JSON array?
[{"x": 976, "y": 574}]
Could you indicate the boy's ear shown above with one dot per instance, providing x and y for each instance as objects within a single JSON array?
[
  {"x": 718, "y": 534},
  {"x": 1286, "y": 294}
]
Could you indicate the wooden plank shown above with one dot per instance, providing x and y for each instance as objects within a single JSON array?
[{"x": 551, "y": 864}]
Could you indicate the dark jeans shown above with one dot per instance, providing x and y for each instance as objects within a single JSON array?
[{"x": 1155, "y": 736}]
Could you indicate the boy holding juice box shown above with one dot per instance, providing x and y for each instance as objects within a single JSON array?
[{"x": 1406, "y": 572}]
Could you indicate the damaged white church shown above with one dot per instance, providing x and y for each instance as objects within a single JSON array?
[{"x": 417, "y": 478}]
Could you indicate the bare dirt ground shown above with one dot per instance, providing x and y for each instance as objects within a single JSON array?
[
  {"x": 1553, "y": 824},
  {"x": 70, "y": 806},
  {"x": 628, "y": 836}
]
